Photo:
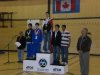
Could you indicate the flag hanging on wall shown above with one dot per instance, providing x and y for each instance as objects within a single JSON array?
[{"x": 66, "y": 6}]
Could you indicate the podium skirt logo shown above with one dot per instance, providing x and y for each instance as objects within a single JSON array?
[
  {"x": 42, "y": 63},
  {"x": 29, "y": 67}
]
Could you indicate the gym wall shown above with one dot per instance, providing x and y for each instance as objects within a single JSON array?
[{"x": 35, "y": 9}]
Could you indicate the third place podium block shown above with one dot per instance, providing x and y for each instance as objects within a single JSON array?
[{"x": 43, "y": 64}]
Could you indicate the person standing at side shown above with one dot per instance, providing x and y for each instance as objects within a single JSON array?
[
  {"x": 47, "y": 33},
  {"x": 28, "y": 35},
  {"x": 65, "y": 44},
  {"x": 56, "y": 42},
  {"x": 83, "y": 47},
  {"x": 22, "y": 44}
]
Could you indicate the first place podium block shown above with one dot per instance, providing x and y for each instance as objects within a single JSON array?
[{"x": 43, "y": 64}]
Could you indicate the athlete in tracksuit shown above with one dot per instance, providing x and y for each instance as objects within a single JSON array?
[
  {"x": 36, "y": 39},
  {"x": 28, "y": 35}
]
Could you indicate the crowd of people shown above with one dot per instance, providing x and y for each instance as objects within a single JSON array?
[{"x": 59, "y": 41}]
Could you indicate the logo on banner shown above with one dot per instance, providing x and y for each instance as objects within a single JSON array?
[
  {"x": 29, "y": 67},
  {"x": 42, "y": 63},
  {"x": 56, "y": 70}
]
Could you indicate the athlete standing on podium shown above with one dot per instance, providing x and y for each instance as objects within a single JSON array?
[
  {"x": 47, "y": 29},
  {"x": 65, "y": 44},
  {"x": 56, "y": 42},
  {"x": 28, "y": 35},
  {"x": 36, "y": 40}
]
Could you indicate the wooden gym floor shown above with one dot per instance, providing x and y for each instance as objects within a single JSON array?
[{"x": 74, "y": 69}]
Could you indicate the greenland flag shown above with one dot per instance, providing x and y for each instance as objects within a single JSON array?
[{"x": 66, "y": 5}]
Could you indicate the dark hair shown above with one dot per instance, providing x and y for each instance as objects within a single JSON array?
[
  {"x": 86, "y": 29},
  {"x": 64, "y": 26},
  {"x": 37, "y": 24},
  {"x": 30, "y": 24},
  {"x": 57, "y": 25}
]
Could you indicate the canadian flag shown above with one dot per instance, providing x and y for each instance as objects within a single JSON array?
[{"x": 65, "y": 5}]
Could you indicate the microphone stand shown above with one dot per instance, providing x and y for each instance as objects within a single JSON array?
[{"x": 8, "y": 45}]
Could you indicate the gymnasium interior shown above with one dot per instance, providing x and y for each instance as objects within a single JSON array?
[{"x": 13, "y": 18}]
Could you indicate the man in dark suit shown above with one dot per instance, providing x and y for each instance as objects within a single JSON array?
[
  {"x": 56, "y": 42},
  {"x": 83, "y": 48}
]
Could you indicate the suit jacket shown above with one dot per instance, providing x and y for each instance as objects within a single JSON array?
[
  {"x": 56, "y": 41},
  {"x": 84, "y": 44},
  {"x": 22, "y": 40}
]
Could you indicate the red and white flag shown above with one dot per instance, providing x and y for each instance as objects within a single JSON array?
[{"x": 66, "y": 5}]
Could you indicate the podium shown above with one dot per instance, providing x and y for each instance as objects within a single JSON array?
[{"x": 43, "y": 64}]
